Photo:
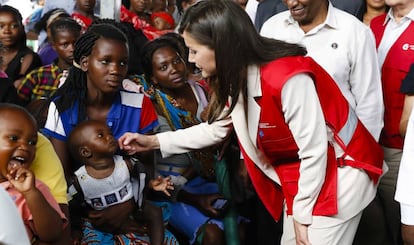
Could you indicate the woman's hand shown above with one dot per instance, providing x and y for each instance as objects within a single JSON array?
[
  {"x": 301, "y": 232},
  {"x": 132, "y": 143}
]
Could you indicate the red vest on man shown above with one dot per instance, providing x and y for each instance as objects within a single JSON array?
[
  {"x": 395, "y": 68},
  {"x": 279, "y": 146}
]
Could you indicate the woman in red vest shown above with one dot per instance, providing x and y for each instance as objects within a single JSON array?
[{"x": 302, "y": 144}]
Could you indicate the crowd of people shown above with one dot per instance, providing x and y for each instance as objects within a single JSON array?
[{"x": 208, "y": 122}]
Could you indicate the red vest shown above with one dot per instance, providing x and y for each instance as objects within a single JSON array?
[
  {"x": 395, "y": 68},
  {"x": 278, "y": 144}
]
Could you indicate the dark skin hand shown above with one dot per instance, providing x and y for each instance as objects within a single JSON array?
[
  {"x": 44, "y": 216},
  {"x": 202, "y": 202}
]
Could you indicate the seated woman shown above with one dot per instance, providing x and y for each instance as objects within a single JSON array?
[
  {"x": 180, "y": 103},
  {"x": 8, "y": 93},
  {"x": 92, "y": 91},
  {"x": 18, "y": 59}
]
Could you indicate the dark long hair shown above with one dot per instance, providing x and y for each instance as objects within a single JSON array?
[
  {"x": 21, "y": 43},
  {"x": 225, "y": 27},
  {"x": 75, "y": 88},
  {"x": 148, "y": 50}
]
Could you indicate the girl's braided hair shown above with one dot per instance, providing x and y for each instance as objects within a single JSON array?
[
  {"x": 64, "y": 24},
  {"x": 75, "y": 87}
]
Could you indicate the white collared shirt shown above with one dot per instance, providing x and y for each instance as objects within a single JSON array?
[
  {"x": 345, "y": 48},
  {"x": 392, "y": 32}
]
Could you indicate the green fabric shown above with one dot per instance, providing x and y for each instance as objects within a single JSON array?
[{"x": 230, "y": 218}]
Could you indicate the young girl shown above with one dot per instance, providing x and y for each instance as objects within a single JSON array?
[
  {"x": 43, "y": 82},
  {"x": 46, "y": 52},
  {"x": 105, "y": 180},
  {"x": 93, "y": 91},
  {"x": 18, "y": 59},
  {"x": 39, "y": 210}
]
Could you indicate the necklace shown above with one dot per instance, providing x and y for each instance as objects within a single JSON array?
[{"x": 174, "y": 102}]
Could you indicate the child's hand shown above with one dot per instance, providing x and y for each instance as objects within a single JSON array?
[
  {"x": 22, "y": 179},
  {"x": 162, "y": 184}
]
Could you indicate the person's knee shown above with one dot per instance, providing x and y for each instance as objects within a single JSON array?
[
  {"x": 213, "y": 235},
  {"x": 407, "y": 234}
]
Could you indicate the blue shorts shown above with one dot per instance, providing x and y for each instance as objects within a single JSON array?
[{"x": 188, "y": 219}]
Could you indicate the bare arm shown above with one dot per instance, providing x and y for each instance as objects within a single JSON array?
[
  {"x": 26, "y": 63},
  {"x": 46, "y": 220},
  {"x": 153, "y": 215},
  {"x": 65, "y": 238},
  {"x": 63, "y": 154},
  {"x": 408, "y": 105},
  {"x": 48, "y": 168}
]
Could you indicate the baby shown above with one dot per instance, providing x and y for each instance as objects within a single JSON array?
[
  {"x": 40, "y": 212},
  {"x": 162, "y": 21},
  {"x": 105, "y": 179}
]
